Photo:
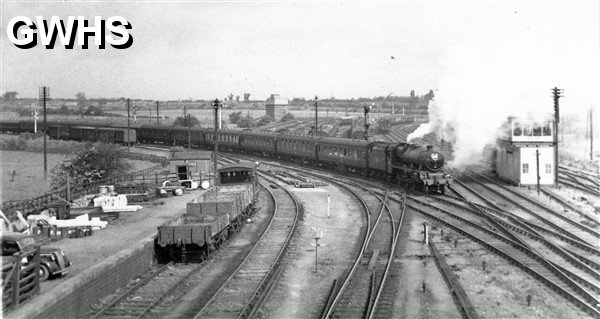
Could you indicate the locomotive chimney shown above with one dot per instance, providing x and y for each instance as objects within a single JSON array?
[{"x": 429, "y": 147}]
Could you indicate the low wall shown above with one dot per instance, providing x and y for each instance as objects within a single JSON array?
[{"x": 75, "y": 296}]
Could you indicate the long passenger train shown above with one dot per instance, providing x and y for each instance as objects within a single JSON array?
[{"x": 410, "y": 165}]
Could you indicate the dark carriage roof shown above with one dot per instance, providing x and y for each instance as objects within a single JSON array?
[
  {"x": 85, "y": 127},
  {"x": 183, "y": 128},
  {"x": 115, "y": 128},
  {"x": 337, "y": 141},
  {"x": 238, "y": 166},
  {"x": 304, "y": 138},
  {"x": 259, "y": 134}
]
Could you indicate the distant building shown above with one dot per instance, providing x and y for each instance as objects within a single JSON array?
[
  {"x": 277, "y": 106},
  {"x": 515, "y": 157}
]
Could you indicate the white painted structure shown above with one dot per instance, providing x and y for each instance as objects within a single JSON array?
[{"x": 515, "y": 155}]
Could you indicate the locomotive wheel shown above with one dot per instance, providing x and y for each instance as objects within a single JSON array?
[
  {"x": 443, "y": 189},
  {"x": 426, "y": 189}
]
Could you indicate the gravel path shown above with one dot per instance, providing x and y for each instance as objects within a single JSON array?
[{"x": 301, "y": 293}]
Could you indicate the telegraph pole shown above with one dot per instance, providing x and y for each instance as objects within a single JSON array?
[
  {"x": 316, "y": 116},
  {"x": 189, "y": 125},
  {"x": 44, "y": 96},
  {"x": 537, "y": 169},
  {"x": 216, "y": 105},
  {"x": 367, "y": 110},
  {"x": 591, "y": 135},
  {"x": 556, "y": 94},
  {"x": 128, "y": 124},
  {"x": 157, "y": 113}
]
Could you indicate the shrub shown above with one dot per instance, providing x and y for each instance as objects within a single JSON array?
[{"x": 288, "y": 117}]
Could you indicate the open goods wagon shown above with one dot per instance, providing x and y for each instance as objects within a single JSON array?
[{"x": 209, "y": 219}]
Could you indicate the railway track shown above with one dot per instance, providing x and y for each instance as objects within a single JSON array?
[
  {"x": 589, "y": 218},
  {"x": 140, "y": 299},
  {"x": 579, "y": 183},
  {"x": 244, "y": 292},
  {"x": 363, "y": 292},
  {"x": 556, "y": 221},
  {"x": 361, "y": 289},
  {"x": 523, "y": 256},
  {"x": 547, "y": 272},
  {"x": 582, "y": 270}
]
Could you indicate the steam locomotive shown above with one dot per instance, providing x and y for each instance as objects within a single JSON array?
[{"x": 411, "y": 165}]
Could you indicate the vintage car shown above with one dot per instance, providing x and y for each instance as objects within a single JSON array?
[{"x": 52, "y": 259}]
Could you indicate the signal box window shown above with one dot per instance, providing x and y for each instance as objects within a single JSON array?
[
  {"x": 517, "y": 130},
  {"x": 527, "y": 130},
  {"x": 546, "y": 130},
  {"x": 525, "y": 168},
  {"x": 537, "y": 131}
]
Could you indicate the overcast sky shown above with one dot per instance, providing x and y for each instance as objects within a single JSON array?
[{"x": 301, "y": 49}]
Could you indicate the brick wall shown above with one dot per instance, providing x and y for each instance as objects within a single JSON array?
[{"x": 75, "y": 297}]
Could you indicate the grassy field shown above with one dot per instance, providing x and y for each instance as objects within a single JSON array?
[{"x": 29, "y": 173}]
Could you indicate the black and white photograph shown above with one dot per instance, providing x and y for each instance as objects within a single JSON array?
[{"x": 300, "y": 159}]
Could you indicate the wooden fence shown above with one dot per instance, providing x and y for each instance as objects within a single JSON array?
[
  {"x": 20, "y": 280},
  {"x": 57, "y": 196}
]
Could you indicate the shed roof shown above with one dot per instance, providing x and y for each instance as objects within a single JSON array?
[
  {"x": 237, "y": 166},
  {"x": 191, "y": 155}
]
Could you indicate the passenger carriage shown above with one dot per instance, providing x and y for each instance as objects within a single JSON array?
[
  {"x": 259, "y": 143},
  {"x": 180, "y": 135},
  {"x": 228, "y": 139},
  {"x": 297, "y": 147},
  {"x": 155, "y": 134},
  {"x": 343, "y": 154}
]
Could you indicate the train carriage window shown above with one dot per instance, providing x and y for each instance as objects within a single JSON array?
[
  {"x": 517, "y": 130},
  {"x": 355, "y": 154},
  {"x": 345, "y": 153},
  {"x": 537, "y": 130},
  {"x": 546, "y": 130},
  {"x": 525, "y": 168}
]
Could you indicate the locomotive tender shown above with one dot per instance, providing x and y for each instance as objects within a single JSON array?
[{"x": 410, "y": 165}]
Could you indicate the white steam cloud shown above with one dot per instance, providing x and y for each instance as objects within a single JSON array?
[{"x": 478, "y": 92}]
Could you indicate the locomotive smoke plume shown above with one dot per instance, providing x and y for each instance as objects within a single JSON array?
[{"x": 476, "y": 95}]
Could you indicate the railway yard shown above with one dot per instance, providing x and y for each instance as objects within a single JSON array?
[{"x": 481, "y": 250}]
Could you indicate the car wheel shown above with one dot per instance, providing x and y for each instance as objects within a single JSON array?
[{"x": 44, "y": 273}]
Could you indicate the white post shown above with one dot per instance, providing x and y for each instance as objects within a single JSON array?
[
  {"x": 220, "y": 119},
  {"x": 328, "y": 202},
  {"x": 426, "y": 234},
  {"x": 35, "y": 117}
]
